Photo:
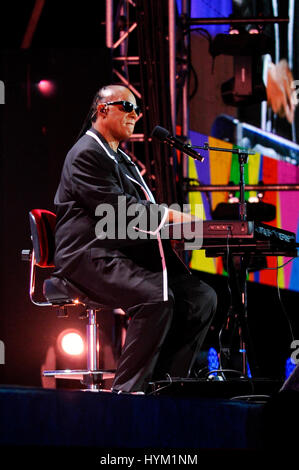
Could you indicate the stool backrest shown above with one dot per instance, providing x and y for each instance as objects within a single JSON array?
[{"x": 42, "y": 226}]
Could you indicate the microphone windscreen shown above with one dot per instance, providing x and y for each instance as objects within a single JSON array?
[{"x": 160, "y": 133}]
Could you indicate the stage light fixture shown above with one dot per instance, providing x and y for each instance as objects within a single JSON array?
[
  {"x": 246, "y": 86},
  {"x": 254, "y": 30},
  {"x": 46, "y": 87},
  {"x": 233, "y": 30},
  {"x": 70, "y": 342},
  {"x": 232, "y": 199},
  {"x": 251, "y": 30},
  {"x": 253, "y": 199}
]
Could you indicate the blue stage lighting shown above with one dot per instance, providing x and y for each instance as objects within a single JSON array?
[
  {"x": 289, "y": 367},
  {"x": 248, "y": 370},
  {"x": 213, "y": 362}
]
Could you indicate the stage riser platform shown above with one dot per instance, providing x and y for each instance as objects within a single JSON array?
[{"x": 44, "y": 417}]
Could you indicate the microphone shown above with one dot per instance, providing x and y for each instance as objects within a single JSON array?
[{"x": 164, "y": 135}]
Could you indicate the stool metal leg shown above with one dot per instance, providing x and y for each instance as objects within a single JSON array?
[
  {"x": 92, "y": 337},
  {"x": 92, "y": 378}
]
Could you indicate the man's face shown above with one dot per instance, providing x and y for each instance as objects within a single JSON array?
[{"x": 118, "y": 123}]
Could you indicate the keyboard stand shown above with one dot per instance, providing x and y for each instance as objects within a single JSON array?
[
  {"x": 237, "y": 317},
  {"x": 237, "y": 266}
]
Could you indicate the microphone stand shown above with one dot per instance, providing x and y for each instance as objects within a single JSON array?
[
  {"x": 238, "y": 266},
  {"x": 243, "y": 158}
]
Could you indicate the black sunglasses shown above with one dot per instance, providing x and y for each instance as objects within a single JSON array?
[{"x": 127, "y": 106}]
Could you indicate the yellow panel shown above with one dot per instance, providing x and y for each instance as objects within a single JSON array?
[
  {"x": 199, "y": 261},
  {"x": 280, "y": 274},
  {"x": 220, "y": 168},
  {"x": 253, "y": 170},
  {"x": 195, "y": 197}
]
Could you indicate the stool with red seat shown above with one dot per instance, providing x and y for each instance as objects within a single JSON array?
[{"x": 61, "y": 293}]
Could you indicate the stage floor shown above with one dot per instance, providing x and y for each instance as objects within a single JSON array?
[
  {"x": 74, "y": 418},
  {"x": 102, "y": 425}
]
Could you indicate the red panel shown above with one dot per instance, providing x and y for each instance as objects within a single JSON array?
[{"x": 44, "y": 234}]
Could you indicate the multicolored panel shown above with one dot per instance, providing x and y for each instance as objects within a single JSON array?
[{"x": 222, "y": 168}]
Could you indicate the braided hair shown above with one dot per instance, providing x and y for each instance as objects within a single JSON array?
[
  {"x": 99, "y": 97},
  {"x": 92, "y": 113}
]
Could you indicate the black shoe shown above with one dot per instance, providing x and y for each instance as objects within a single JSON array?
[{"x": 120, "y": 392}]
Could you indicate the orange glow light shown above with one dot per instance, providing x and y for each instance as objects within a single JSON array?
[{"x": 70, "y": 342}]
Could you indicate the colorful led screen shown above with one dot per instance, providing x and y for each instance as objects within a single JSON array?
[{"x": 221, "y": 168}]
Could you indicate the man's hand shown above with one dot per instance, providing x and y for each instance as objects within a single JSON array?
[
  {"x": 280, "y": 94},
  {"x": 180, "y": 217}
]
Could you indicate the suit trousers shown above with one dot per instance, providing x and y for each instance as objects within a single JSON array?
[{"x": 164, "y": 338}]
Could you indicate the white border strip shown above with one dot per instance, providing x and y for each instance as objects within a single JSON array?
[
  {"x": 101, "y": 144},
  {"x": 164, "y": 267},
  {"x": 140, "y": 176}
]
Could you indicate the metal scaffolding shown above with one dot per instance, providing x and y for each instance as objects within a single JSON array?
[
  {"x": 121, "y": 29},
  {"x": 122, "y": 62}
]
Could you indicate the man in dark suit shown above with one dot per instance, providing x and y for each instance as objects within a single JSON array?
[{"x": 170, "y": 311}]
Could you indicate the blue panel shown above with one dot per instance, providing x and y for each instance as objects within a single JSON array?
[
  {"x": 210, "y": 9},
  {"x": 289, "y": 367},
  {"x": 203, "y": 168},
  {"x": 294, "y": 282},
  {"x": 213, "y": 362}
]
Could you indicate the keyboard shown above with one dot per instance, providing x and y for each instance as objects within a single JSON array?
[{"x": 219, "y": 236}]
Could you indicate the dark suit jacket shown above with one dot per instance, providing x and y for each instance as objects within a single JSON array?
[{"x": 117, "y": 272}]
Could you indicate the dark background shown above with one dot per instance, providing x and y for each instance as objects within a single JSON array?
[
  {"x": 36, "y": 133},
  {"x": 68, "y": 47}
]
